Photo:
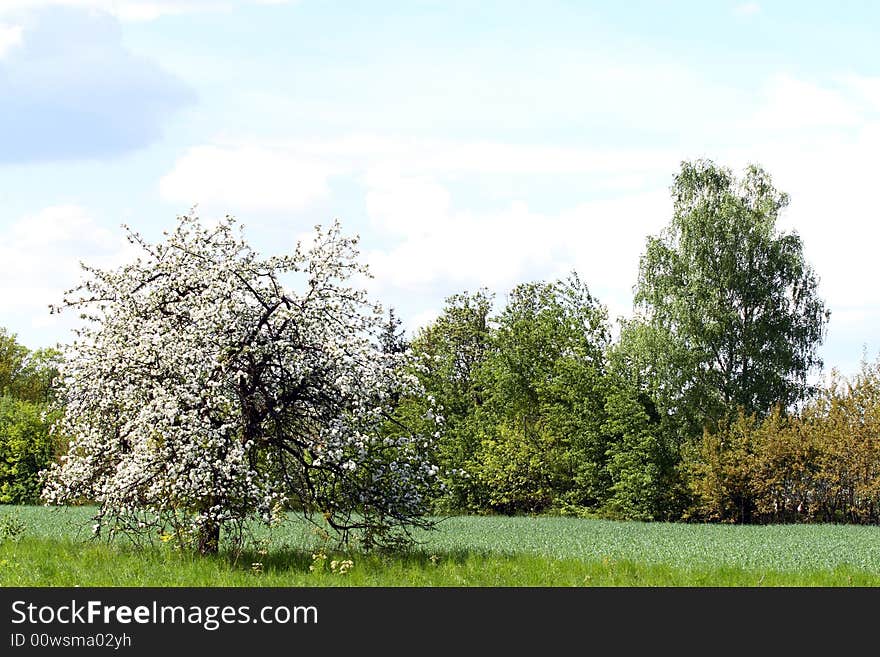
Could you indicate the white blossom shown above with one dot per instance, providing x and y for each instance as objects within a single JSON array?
[{"x": 203, "y": 391}]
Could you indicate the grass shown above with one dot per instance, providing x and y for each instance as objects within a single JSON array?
[{"x": 55, "y": 550}]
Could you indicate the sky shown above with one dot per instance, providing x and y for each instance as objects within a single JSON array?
[{"x": 469, "y": 144}]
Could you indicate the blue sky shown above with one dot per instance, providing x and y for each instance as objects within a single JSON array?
[{"x": 469, "y": 143}]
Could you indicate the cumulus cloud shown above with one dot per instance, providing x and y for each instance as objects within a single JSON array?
[
  {"x": 290, "y": 175},
  {"x": 464, "y": 249},
  {"x": 431, "y": 234},
  {"x": 246, "y": 178},
  {"x": 405, "y": 205},
  {"x": 821, "y": 143},
  {"x": 865, "y": 89},
  {"x": 71, "y": 89},
  {"x": 792, "y": 104},
  {"x": 831, "y": 184},
  {"x": 39, "y": 259}
]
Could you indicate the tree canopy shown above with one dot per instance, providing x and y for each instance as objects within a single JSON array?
[
  {"x": 24, "y": 374},
  {"x": 27, "y": 385},
  {"x": 449, "y": 355},
  {"x": 203, "y": 391},
  {"x": 731, "y": 296}
]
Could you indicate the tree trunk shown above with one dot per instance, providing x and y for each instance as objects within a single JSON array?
[{"x": 209, "y": 537}]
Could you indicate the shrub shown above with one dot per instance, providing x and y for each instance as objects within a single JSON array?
[{"x": 26, "y": 448}]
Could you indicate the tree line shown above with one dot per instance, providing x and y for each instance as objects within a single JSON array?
[
  {"x": 702, "y": 408},
  {"x": 205, "y": 392}
]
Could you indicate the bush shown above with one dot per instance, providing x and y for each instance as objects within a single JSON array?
[
  {"x": 844, "y": 426},
  {"x": 26, "y": 448},
  {"x": 822, "y": 465}
]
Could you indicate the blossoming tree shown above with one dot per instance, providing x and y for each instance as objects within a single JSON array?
[{"x": 202, "y": 391}]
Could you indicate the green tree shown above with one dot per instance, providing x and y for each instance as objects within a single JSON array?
[
  {"x": 641, "y": 460},
  {"x": 392, "y": 339},
  {"x": 25, "y": 374},
  {"x": 643, "y": 425},
  {"x": 12, "y": 359},
  {"x": 844, "y": 425},
  {"x": 544, "y": 376},
  {"x": 26, "y": 448},
  {"x": 821, "y": 464},
  {"x": 38, "y": 378},
  {"x": 27, "y": 384},
  {"x": 731, "y": 298},
  {"x": 449, "y": 354}
]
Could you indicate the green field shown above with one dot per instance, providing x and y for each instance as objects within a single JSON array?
[{"x": 53, "y": 548}]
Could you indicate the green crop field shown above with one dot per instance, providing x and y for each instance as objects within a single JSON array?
[{"x": 52, "y": 547}]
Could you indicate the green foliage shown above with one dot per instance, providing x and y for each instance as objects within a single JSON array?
[
  {"x": 721, "y": 471},
  {"x": 753, "y": 469},
  {"x": 640, "y": 465},
  {"x": 24, "y": 374},
  {"x": 12, "y": 360},
  {"x": 731, "y": 296},
  {"x": 26, "y": 387},
  {"x": 449, "y": 356},
  {"x": 545, "y": 399},
  {"x": 844, "y": 427},
  {"x": 822, "y": 464},
  {"x": 522, "y": 395},
  {"x": 520, "y": 470},
  {"x": 26, "y": 448},
  {"x": 392, "y": 339},
  {"x": 572, "y": 408}
]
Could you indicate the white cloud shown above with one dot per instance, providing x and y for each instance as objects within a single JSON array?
[
  {"x": 136, "y": 10},
  {"x": 834, "y": 208},
  {"x": 465, "y": 249},
  {"x": 427, "y": 242},
  {"x": 148, "y": 11},
  {"x": 39, "y": 260},
  {"x": 10, "y": 36},
  {"x": 825, "y": 152},
  {"x": 399, "y": 174},
  {"x": 865, "y": 89},
  {"x": 397, "y": 204},
  {"x": 601, "y": 240},
  {"x": 426, "y": 156},
  {"x": 430, "y": 246},
  {"x": 238, "y": 179},
  {"x": 747, "y": 9},
  {"x": 794, "y": 105}
]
